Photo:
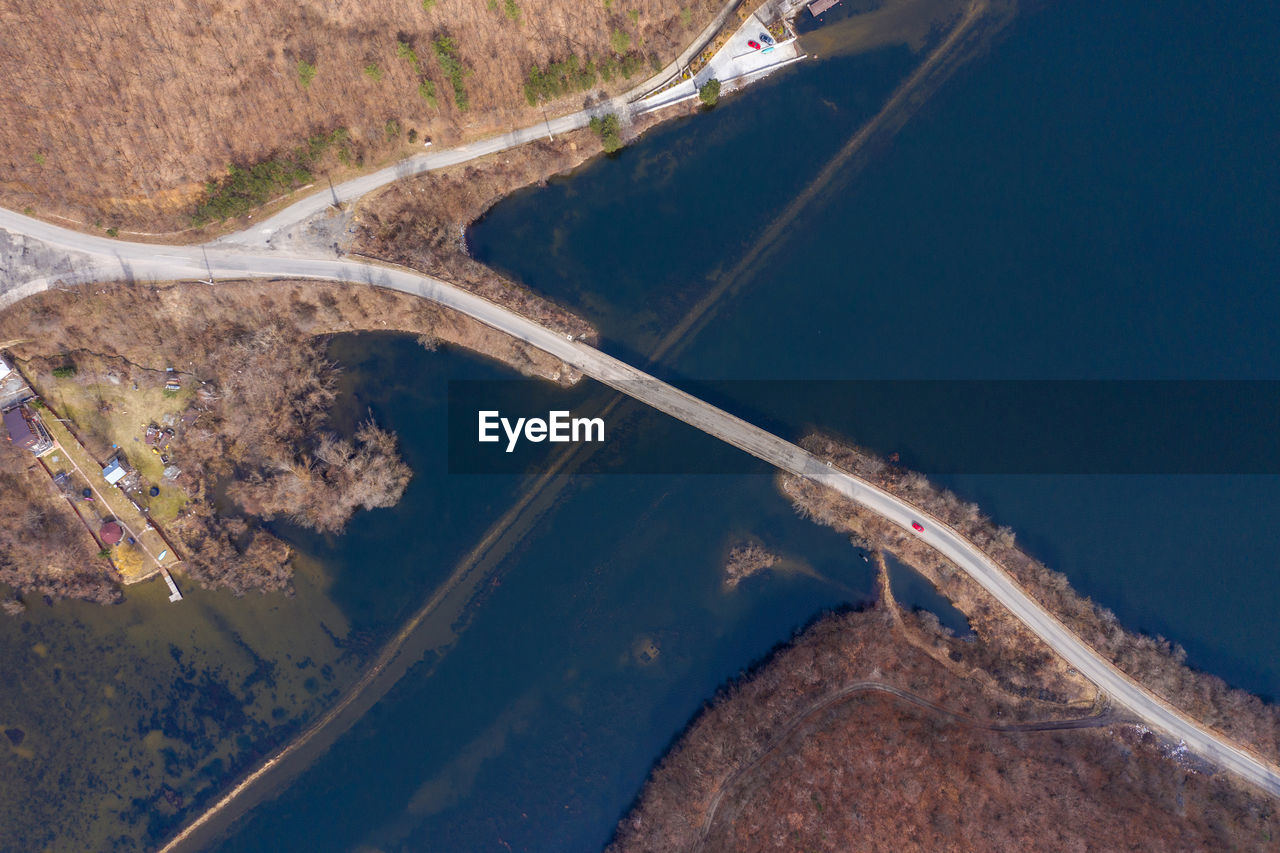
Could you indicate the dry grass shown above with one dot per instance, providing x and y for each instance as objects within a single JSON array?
[
  {"x": 119, "y": 111},
  {"x": 103, "y": 405}
]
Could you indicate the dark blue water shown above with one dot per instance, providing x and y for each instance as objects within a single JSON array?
[{"x": 1096, "y": 198}]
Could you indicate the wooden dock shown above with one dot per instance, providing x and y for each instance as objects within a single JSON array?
[{"x": 174, "y": 595}]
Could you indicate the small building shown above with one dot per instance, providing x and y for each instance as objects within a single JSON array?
[
  {"x": 110, "y": 533},
  {"x": 26, "y": 431},
  {"x": 114, "y": 472}
]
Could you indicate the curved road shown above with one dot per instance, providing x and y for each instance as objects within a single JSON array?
[{"x": 113, "y": 260}]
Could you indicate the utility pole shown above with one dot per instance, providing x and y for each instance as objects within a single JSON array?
[
  {"x": 208, "y": 269},
  {"x": 336, "y": 204},
  {"x": 547, "y": 121}
]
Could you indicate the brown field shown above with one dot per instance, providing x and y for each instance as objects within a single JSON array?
[{"x": 117, "y": 112}]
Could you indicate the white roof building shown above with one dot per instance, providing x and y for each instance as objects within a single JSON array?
[{"x": 114, "y": 472}]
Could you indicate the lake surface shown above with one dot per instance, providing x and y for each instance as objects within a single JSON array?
[{"x": 1095, "y": 199}]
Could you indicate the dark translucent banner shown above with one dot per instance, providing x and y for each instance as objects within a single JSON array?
[{"x": 945, "y": 427}]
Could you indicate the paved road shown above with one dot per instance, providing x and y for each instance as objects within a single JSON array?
[
  {"x": 114, "y": 259},
  {"x": 247, "y": 254},
  {"x": 741, "y": 68}
]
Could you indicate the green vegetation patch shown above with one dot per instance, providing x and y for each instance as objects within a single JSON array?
[
  {"x": 570, "y": 75},
  {"x": 709, "y": 92},
  {"x": 447, "y": 54},
  {"x": 610, "y": 133},
  {"x": 511, "y": 10},
  {"x": 405, "y": 51},
  {"x": 247, "y": 187},
  {"x": 373, "y": 72},
  {"x": 306, "y": 73},
  {"x": 620, "y": 41},
  {"x": 427, "y": 89}
]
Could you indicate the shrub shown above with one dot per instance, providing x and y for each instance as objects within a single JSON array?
[
  {"x": 559, "y": 78},
  {"x": 373, "y": 72},
  {"x": 607, "y": 128},
  {"x": 427, "y": 90},
  {"x": 404, "y": 50},
  {"x": 246, "y": 187},
  {"x": 306, "y": 73},
  {"x": 447, "y": 53},
  {"x": 709, "y": 93},
  {"x": 511, "y": 10},
  {"x": 620, "y": 41},
  {"x": 64, "y": 372}
]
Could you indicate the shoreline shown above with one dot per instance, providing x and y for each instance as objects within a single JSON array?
[
  {"x": 215, "y": 821},
  {"x": 1237, "y": 716},
  {"x": 624, "y": 101}
]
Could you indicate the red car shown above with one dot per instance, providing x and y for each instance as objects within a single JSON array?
[
  {"x": 754, "y": 45},
  {"x": 916, "y": 526}
]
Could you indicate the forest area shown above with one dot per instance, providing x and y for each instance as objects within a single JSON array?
[
  {"x": 869, "y": 731},
  {"x": 120, "y": 113}
]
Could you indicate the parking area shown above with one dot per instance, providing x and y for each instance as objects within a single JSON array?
[{"x": 735, "y": 62}]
